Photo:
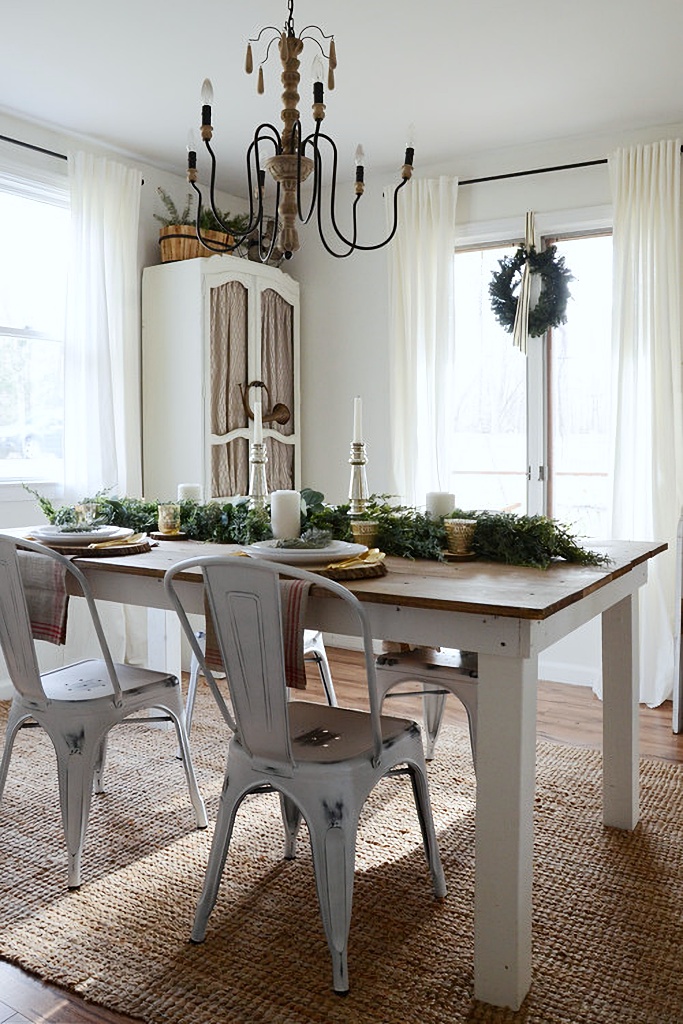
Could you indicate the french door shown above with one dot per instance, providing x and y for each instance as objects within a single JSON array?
[{"x": 533, "y": 432}]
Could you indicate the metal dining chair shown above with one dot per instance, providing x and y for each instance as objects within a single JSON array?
[
  {"x": 438, "y": 673},
  {"x": 323, "y": 761},
  {"x": 77, "y": 705}
]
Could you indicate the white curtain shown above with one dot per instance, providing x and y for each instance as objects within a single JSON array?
[
  {"x": 647, "y": 344},
  {"x": 422, "y": 336},
  {"x": 102, "y": 429},
  {"x": 102, "y": 418}
]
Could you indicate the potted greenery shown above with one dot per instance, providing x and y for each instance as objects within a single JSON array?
[{"x": 178, "y": 234}]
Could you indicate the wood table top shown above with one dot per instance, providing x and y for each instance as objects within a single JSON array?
[{"x": 488, "y": 588}]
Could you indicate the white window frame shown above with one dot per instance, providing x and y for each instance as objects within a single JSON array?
[
  {"x": 39, "y": 176},
  {"x": 510, "y": 231}
]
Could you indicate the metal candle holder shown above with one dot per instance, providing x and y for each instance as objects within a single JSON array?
[
  {"x": 258, "y": 487},
  {"x": 358, "y": 487}
]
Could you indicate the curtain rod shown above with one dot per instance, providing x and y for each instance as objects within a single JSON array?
[
  {"x": 537, "y": 170},
  {"x": 36, "y": 149},
  {"x": 467, "y": 181}
]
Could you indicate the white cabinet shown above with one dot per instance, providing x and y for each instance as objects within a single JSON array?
[{"x": 209, "y": 328}]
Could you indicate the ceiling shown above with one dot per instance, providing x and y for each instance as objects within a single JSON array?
[{"x": 471, "y": 75}]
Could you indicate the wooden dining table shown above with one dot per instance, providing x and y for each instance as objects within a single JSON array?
[{"x": 508, "y": 615}]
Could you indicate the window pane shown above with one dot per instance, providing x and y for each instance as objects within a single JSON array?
[
  {"x": 580, "y": 474},
  {"x": 32, "y": 265},
  {"x": 489, "y": 395},
  {"x": 32, "y": 304}
]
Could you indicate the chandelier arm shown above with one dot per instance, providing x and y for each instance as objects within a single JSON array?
[
  {"x": 354, "y": 244},
  {"x": 323, "y": 239},
  {"x": 212, "y": 202},
  {"x": 207, "y": 243},
  {"x": 266, "y": 28},
  {"x": 333, "y": 200},
  {"x": 301, "y": 147}
]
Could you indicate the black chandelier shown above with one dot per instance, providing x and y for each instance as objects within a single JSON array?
[{"x": 289, "y": 157}]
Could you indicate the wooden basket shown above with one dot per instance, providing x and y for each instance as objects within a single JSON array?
[{"x": 180, "y": 242}]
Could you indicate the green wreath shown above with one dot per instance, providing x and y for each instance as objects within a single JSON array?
[{"x": 551, "y": 308}]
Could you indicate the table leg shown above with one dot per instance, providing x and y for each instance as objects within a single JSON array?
[
  {"x": 620, "y": 686},
  {"x": 506, "y": 761},
  {"x": 163, "y": 647}
]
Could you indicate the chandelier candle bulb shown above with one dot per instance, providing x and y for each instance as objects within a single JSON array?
[
  {"x": 285, "y": 514},
  {"x": 439, "y": 503}
]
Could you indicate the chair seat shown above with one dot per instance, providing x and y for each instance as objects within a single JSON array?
[
  {"x": 90, "y": 680},
  {"x": 325, "y": 735}
]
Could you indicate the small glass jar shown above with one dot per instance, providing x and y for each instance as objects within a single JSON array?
[{"x": 169, "y": 518}]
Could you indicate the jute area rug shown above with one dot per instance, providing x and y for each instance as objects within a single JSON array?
[{"x": 608, "y": 905}]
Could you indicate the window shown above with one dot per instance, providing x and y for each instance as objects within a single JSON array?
[
  {"x": 532, "y": 432},
  {"x": 33, "y": 263}
]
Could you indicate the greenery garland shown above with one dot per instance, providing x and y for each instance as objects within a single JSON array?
[
  {"x": 551, "y": 308},
  {"x": 534, "y": 541}
]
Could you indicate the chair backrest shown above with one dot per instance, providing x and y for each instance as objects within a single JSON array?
[
  {"x": 16, "y": 636},
  {"x": 244, "y": 599}
]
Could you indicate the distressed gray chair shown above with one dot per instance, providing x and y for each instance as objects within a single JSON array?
[
  {"x": 323, "y": 761},
  {"x": 78, "y": 704}
]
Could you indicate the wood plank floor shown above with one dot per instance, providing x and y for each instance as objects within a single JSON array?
[{"x": 566, "y": 714}]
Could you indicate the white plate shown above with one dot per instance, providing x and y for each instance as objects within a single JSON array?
[
  {"x": 53, "y": 535},
  {"x": 336, "y": 551}
]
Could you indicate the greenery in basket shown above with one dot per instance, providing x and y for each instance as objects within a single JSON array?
[
  {"x": 236, "y": 224},
  {"x": 534, "y": 541}
]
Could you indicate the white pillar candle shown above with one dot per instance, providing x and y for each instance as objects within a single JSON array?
[
  {"x": 189, "y": 492},
  {"x": 439, "y": 503},
  {"x": 258, "y": 424},
  {"x": 285, "y": 514},
  {"x": 357, "y": 420}
]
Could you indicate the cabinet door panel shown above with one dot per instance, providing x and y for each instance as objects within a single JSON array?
[
  {"x": 228, "y": 357},
  {"x": 277, "y": 354},
  {"x": 280, "y": 465},
  {"x": 230, "y": 468}
]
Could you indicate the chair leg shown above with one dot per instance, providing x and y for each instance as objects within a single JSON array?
[
  {"x": 334, "y": 852},
  {"x": 15, "y": 720},
  {"x": 178, "y": 716},
  {"x": 77, "y": 750},
  {"x": 418, "y": 778},
  {"x": 98, "y": 774},
  {"x": 315, "y": 648},
  {"x": 225, "y": 821},
  {"x": 192, "y": 684},
  {"x": 433, "y": 706},
  {"x": 291, "y": 817}
]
